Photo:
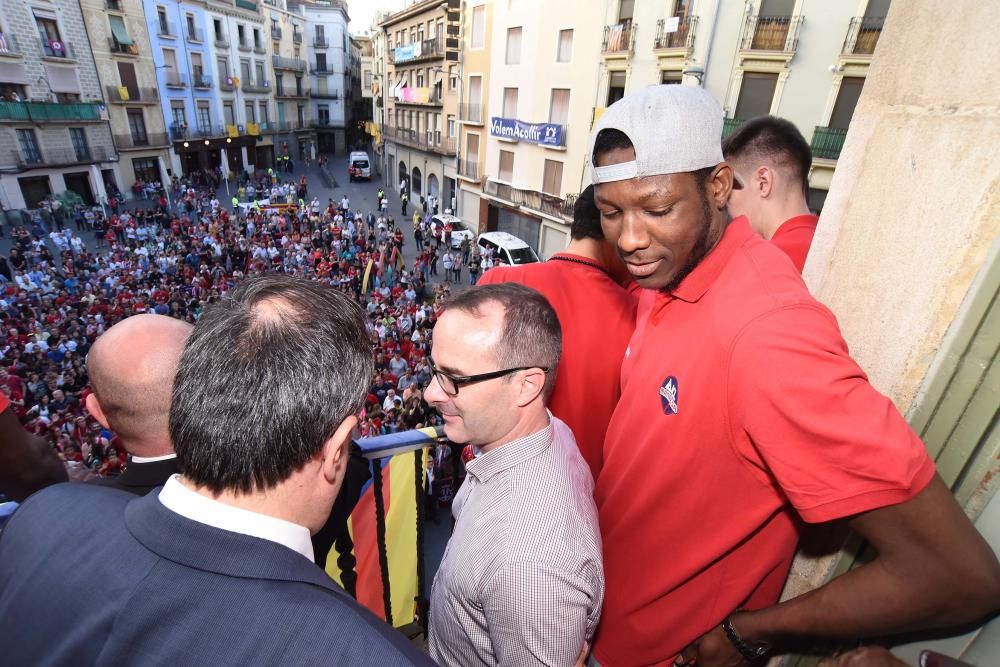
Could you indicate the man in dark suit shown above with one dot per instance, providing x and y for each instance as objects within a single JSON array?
[
  {"x": 131, "y": 368},
  {"x": 216, "y": 567}
]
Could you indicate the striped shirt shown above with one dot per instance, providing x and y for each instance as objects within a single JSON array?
[{"x": 521, "y": 582}]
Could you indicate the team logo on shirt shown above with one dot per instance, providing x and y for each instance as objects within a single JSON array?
[{"x": 668, "y": 396}]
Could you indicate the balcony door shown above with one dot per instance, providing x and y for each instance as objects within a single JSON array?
[
  {"x": 126, "y": 73},
  {"x": 847, "y": 100},
  {"x": 756, "y": 95},
  {"x": 773, "y": 21}
]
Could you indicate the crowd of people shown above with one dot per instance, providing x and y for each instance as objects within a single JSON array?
[{"x": 175, "y": 259}]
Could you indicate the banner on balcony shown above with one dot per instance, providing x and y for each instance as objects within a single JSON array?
[
  {"x": 417, "y": 95},
  {"x": 547, "y": 134},
  {"x": 407, "y": 52}
]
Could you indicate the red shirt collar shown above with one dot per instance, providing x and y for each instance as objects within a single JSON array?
[{"x": 694, "y": 286}]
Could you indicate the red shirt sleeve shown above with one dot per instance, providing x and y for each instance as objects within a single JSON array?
[
  {"x": 4, "y": 402},
  {"x": 803, "y": 413}
]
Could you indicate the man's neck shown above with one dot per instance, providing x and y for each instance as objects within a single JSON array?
[
  {"x": 791, "y": 207},
  {"x": 587, "y": 248},
  {"x": 275, "y": 502},
  {"x": 528, "y": 424}
]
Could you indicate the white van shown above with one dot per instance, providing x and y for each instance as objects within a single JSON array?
[
  {"x": 359, "y": 166},
  {"x": 506, "y": 248}
]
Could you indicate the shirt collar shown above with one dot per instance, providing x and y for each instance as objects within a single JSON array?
[
  {"x": 151, "y": 459},
  {"x": 694, "y": 286},
  {"x": 485, "y": 466},
  {"x": 196, "y": 507}
]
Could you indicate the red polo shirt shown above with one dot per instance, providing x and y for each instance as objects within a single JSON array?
[
  {"x": 597, "y": 318},
  {"x": 740, "y": 407},
  {"x": 794, "y": 236}
]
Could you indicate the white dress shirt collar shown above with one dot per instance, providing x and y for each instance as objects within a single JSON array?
[
  {"x": 151, "y": 459},
  {"x": 191, "y": 505}
]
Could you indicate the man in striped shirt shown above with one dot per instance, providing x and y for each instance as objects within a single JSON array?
[{"x": 521, "y": 582}]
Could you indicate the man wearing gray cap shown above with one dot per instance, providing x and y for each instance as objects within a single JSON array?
[{"x": 741, "y": 413}]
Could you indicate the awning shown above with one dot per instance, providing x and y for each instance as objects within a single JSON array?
[
  {"x": 63, "y": 79},
  {"x": 119, "y": 31},
  {"x": 13, "y": 73}
]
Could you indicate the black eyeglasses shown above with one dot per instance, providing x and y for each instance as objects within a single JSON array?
[{"x": 450, "y": 384}]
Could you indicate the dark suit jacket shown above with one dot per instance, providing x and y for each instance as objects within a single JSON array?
[
  {"x": 90, "y": 575},
  {"x": 141, "y": 478}
]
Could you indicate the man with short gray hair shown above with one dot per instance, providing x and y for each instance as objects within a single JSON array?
[{"x": 521, "y": 582}]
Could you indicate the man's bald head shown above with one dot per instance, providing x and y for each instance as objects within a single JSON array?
[{"x": 132, "y": 367}]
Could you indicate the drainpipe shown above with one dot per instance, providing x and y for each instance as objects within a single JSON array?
[{"x": 711, "y": 41}]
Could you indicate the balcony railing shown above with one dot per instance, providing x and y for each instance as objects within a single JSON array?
[
  {"x": 201, "y": 81},
  {"x": 113, "y": 5},
  {"x": 433, "y": 100},
  {"x": 251, "y": 86},
  {"x": 292, "y": 93},
  {"x": 294, "y": 64},
  {"x": 221, "y": 42},
  {"x": 47, "y": 112},
  {"x": 729, "y": 125},
  {"x": 471, "y": 112},
  {"x": 174, "y": 80},
  {"x": 532, "y": 199},
  {"x": 61, "y": 157},
  {"x": 8, "y": 44},
  {"x": 469, "y": 168},
  {"x": 428, "y": 49},
  {"x": 247, "y": 4},
  {"x": 296, "y": 37},
  {"x": 325, "y": 94},
  {"x": 320, "y": 42},
  {"x": 195, "y": 35},
  {"x": 275, "y": 32},
  {"x": 259, "y": 48},
  {"x": 321, "y": 70},
  {"x": 682, "y": 38},
  {"x": 57, "y": 49},
  {"x": 182, "y": 132},
  {"x": 827, "y": 142},
  {"x": 165, "y": 29},
  {"x": 619, "y": 38},
  {"x": 226, "y": 84},
  {"x": 771, "y": 33},
  {"x": 245, "y": 45},
  {"x": 150, "y": 139},
  {"x": 863, "y": 34},
  {"x": 124, "y": 49},
  {"x": 426, "y": 140},
  {"x": 132, "y": 96}
]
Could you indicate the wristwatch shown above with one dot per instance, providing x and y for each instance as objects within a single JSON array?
[{"x": 751, "y": 651}]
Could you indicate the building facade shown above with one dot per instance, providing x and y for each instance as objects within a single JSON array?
[
  {"x": 421, "y": 104},
  {"x": 120, "y": 45},
  {"x": 54, "y": 131},
  {"x": 477, "y": 43},
  {"x": 290, "y": 125},
  {"x": 328, "y": 54}
]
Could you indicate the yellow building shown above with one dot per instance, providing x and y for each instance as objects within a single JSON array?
[
  {"x": 420, "y": 129},
  {"x": 477, "y": 42}
]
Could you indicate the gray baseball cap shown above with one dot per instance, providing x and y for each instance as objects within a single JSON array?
[{"x": 673, "y": 129}]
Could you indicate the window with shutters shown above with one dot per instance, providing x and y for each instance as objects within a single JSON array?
[
  {"x": 564, "y": 52},
  {"x": 559, "y": 106},
  {"x": 552, "y": 177},
  {"x": 478, "y": 27},
  {"x": 506, "y": 166},
  {"x": 513, "y": 46},
  {"x": 510, "y": 102}
]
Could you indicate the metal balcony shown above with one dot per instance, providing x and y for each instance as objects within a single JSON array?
[
  {"x": 48, "y": 112},
  {"x": 682, "y": 38},
  {"x": 296, "y": 37},
  {"x": 251, "y": 86},
  {"x": 862, "y": 35},
  {"x": 428, "y": 49},
  {"x": 122, "y": 49},
  {"x": 469, "y": 169},
  {"x": 275, "y": 32},
  {"x": 619, "y": 38},
  {"x": 221, "y": 42},
  {"x": 57, "y": 49},
  {"x": 295, "y": 93},
  {"x": 226, "y": 84},
  {"x": 165, "y": 29},
  {"x": 771, "y": 33},
  {"x": 729, "y": 125},
  {"x": 321, "y": 70},
  {"x": 195, "y": 35},
  {"x": 259, "y": 49},
  {"x": 325, "y": 94},
  {"x": 320, "y": 43},
  {"x": 174, "y": 80},
  {"x": 471, "y": 113},
  {"x": 531, "y": 199},
  {"x": 827, "y": 142},
  {"x": 63, "y": 157},
  {"x": 427, "y": 140},
  {"x": 245, "y": 46},
  {"x": 201, "y": 81},
  {"x": 292, "y": 64},
  {"x": 148, "y": 140},
  {"x": 133, "y": 95},
  {"x": 113, "y": 5},
  {"x": 9, "y": 45}
]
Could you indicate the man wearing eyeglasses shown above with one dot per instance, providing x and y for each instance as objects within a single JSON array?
[{"x": 521, "y": 582}]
